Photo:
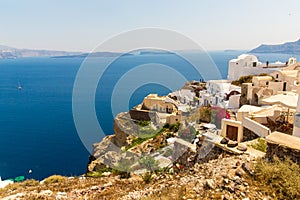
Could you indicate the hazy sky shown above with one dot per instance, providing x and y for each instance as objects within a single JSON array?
[{"x": 80, "y": 25}]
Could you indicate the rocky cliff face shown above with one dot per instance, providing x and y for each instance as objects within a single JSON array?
[
  {"x": 124, "y": 145},
  {"x": 108, "y": 152}
]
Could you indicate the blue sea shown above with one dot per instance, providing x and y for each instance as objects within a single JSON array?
[{"x": 37, "y": 131}]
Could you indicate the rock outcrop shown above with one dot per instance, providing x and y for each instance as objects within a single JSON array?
[{"x": 108, "y": 152}]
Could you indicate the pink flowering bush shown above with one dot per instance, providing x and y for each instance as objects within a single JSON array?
[{"x": 217, "y": 114}]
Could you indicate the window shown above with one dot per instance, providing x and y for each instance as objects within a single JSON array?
[
  {"x": 254, "y": 64},
  {"x": 277, "y": 75},
  {"x": 284, "y": 86},
  {"x": 267, "y": 83}
]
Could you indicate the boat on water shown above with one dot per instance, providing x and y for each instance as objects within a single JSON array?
[{"x": 19, "y": 87}]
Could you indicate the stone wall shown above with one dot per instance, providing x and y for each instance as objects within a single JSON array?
[
  {"x": 139, "y": 115},
  {"x": 120, "y": 138},
  {"x": 187, "y": 154},
  {"x": 248, "y": 135},
  {"x": 243, "y": 98},
  {"x": 282, "y": 152}
]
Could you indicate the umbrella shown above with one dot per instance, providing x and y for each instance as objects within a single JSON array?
[
  {"x": 19, "y": 178},
  {"x": 285, "y": 100}
]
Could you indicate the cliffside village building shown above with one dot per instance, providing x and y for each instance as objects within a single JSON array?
[
  {"x": 220, "y": 93},
  {"x": 255, "y": 104},
  {"x": 264, "y": 100},
  {"x": 247, "y": 64},
  {"x": 158, "y": 109},
  {"x": 260, "y": 108},
  {"x": 264, "y": 106},
  {"x": 267, "y": 100}
]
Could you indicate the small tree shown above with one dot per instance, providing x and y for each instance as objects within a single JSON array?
[
  {"x": 188, "y": 134},
  {"x": 123, "y": 168},
  {"x": 205, "y": 114},
  {"x": 149, "y": 163}
]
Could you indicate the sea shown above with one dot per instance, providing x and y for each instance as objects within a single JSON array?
[{"x": 37, "y": 129}]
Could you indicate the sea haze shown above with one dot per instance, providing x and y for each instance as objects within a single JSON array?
[{"x": 37, "y": 131}]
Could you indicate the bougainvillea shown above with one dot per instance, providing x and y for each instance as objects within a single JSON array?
[{"x": 213, "y": 114}]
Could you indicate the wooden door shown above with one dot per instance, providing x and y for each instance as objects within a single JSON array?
[{"x": 232, "y": 132}]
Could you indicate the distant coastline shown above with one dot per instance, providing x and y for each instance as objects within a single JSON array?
[
  {"x": 285, "y": 48},
  {"x": 7, "y": 52}
]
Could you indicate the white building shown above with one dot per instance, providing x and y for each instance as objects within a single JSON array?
[
  {"x": 184, "y": 96},
  {"x": 247, "y": 64},
  {"x": 290, "y": 78},
  {"x": 296, "y": 131},
  {"x": 220, "y": 93}
]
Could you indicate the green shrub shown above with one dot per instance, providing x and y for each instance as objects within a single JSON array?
[
  {"x": 281, "y": 178},
  {"x": 54, "y": 179},
  {"x": 164, "y": 170},
  {"x": 99, "y": 172},
  {"x": 123, "y": 168},
  {"x": 260, "y": 145},
  {"x": 174, "y": 127},
  {"x": 94, "y": 174},
  {"x": 205, "y": 114},
  {"x": 144, "y": 135},
  {"x": 247, "y": 79},
  {"x": 136, "y": 142},
  {"x": 147, "y": 177},
  {"x": 149, "y": 163},
  {"x": 166, "y": 126},
  {"x": 144, "y": 123},
  {"x": 123, "y": 175}
]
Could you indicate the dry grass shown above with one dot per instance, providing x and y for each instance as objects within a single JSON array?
[
  {"x": 175, "y": 194},
  {"x": 280, "y": 179},
  {"x": 56, "y": 184},
  {"x": 55, "y": 179}
]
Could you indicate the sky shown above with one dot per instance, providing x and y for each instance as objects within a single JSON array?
[{"x": 76, "y": 25}]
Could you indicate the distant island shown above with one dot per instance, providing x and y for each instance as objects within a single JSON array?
[
  {"x": 287, "y": 48},
  {"x": 7, "y": 52},
  {"x": 95, "y": 54},
  {"x": 154, "y": 52},
  {"x": 11, "y": 53},
  {"x": 117, "y": 54}
]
